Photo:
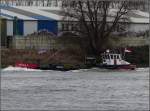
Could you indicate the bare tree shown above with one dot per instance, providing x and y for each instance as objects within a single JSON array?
[{"x": 96, "y": 19}]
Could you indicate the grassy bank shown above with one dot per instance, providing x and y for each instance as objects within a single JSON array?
[{"x": 68, "y": 56}]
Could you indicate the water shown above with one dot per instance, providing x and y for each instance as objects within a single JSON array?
[{"x": 91, "y": 89}]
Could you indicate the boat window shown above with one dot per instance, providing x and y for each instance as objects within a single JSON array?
[
  {"x": 114, "y": 56},
  {"x": 117, "y": 56},
  {"x": 111, "y": 56}
]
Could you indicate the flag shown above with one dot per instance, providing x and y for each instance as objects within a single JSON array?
[{"x": 127, "y": 50}]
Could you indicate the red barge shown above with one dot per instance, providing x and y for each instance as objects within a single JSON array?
[{"x": 27, "y": 65}]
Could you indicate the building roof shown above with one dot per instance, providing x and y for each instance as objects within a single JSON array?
[
  {"x": 55, "y": 13},
  {"x": 28, "y": 13}
]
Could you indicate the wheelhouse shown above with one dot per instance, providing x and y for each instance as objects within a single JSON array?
[
  {"x": 112, "y": 59},
  {"x": 111, "y": 56}
]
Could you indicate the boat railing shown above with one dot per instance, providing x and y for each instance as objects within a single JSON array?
[{"x": 111, "y": 56}]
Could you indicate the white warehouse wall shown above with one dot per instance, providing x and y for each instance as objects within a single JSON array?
[
  {"x": 30, "y": 27},
  {"x": 138, "y": 27},
  {"x": 9, "y": 28}
]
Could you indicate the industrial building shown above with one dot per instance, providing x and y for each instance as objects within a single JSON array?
[
  {"x": 23, "y": 18},
  {"x": 17, "y": 21}
]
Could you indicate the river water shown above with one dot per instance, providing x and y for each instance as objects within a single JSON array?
[{"x": 88, "y": 89}]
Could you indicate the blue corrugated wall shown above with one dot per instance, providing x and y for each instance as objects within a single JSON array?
[
  {"x": 18, "y": 27},
  {"x": 50, "y": 25}
]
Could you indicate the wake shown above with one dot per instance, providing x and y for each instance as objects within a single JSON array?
[{"x": 11, "y": 68}]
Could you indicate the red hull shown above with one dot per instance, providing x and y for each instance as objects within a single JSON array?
[
  {"x": 131, "y": 67},
  {"x": 126, "y": 67},
  {"x": 27, "y": 65}
]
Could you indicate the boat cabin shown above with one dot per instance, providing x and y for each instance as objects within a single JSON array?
[{"x": 113, "y": 59}]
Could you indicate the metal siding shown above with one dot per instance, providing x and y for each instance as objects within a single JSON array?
[
  {"x": 40, "y": 17},
  {"x": 9, "y": 28},
  {"x": 20, "y": 27},
  {"x": 51, "y": 26},
  {"x": 17, "y": 27},
  {"x": 30, "y": 27},
  {"x": 138, "y": 27},
  {"x": 6, "y": 15}
]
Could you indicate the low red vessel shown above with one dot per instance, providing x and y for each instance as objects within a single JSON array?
[
  {"x": 130, "y": 66},
  {"x": 26, "y": 65}
]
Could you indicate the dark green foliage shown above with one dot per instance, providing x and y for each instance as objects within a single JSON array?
[{"x": 139, "y": 56}]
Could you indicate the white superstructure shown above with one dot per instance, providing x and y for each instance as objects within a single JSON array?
[{"x": 113, "y": 59}]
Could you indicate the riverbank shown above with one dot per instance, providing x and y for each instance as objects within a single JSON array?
[
  {"x": 70, "y": 58},
  {"x": 67, "y": 57}
]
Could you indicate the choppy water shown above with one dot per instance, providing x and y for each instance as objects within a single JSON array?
[{"x": 91, "y": 89}]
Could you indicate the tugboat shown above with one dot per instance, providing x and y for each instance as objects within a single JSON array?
[{"x": 115, "y": 61}]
